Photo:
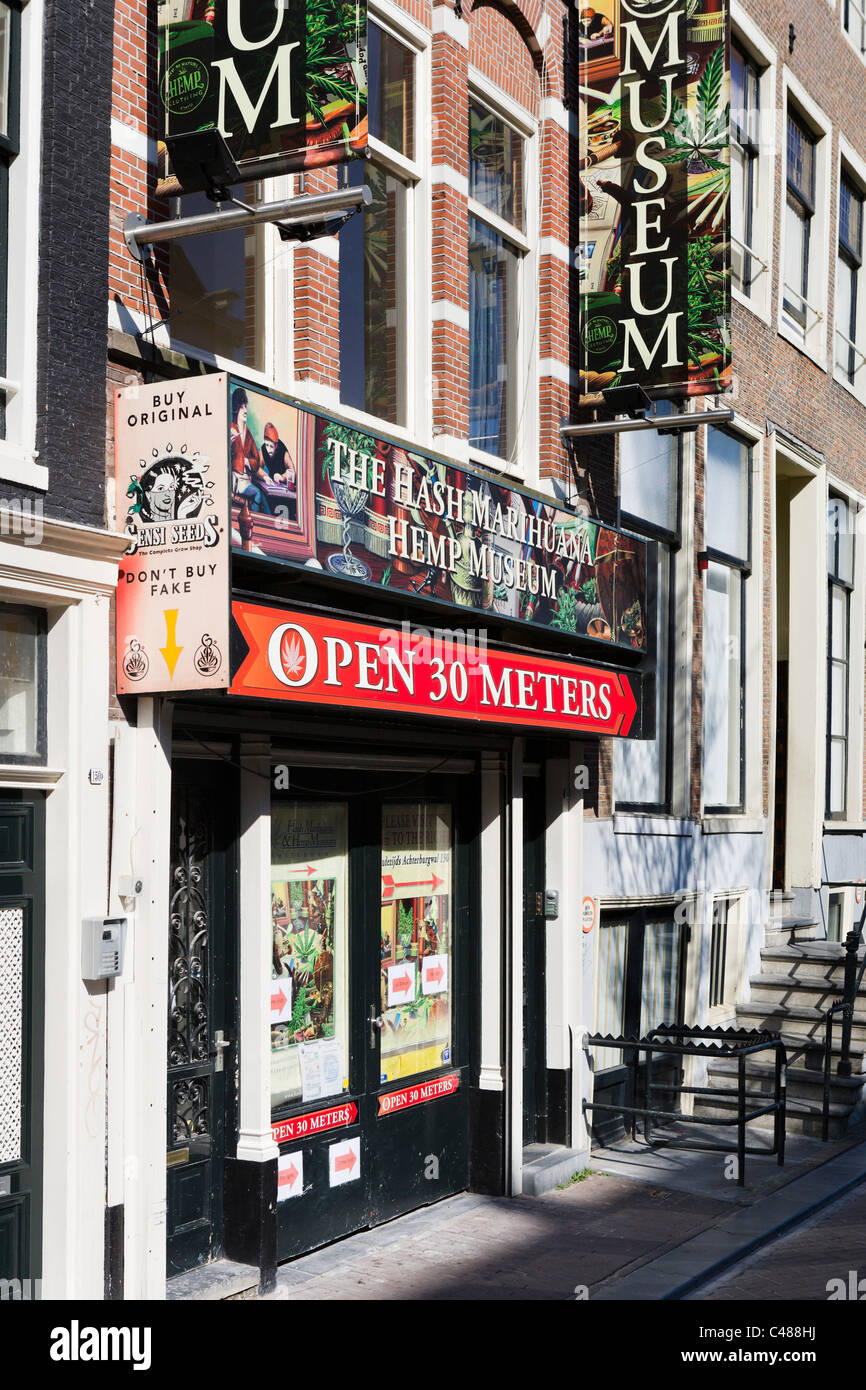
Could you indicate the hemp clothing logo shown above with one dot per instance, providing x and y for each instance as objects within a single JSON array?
[
  {"x": 598, "y": 333},
  {"x": 184, "y": 86},
  {"x": 77, "y": 1343}
]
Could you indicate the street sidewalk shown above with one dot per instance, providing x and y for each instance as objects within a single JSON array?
[{"x": 667, "y": 1228}]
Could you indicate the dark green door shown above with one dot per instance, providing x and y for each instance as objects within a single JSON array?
[
  {"x": 534, "y": 956},
  {"x": 202, "y": 1055},
  {"x": 22, "y": 963},
  {"x": 372, "y": 931}
]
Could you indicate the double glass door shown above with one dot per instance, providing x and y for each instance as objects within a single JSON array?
[{"x": 368, "y": 990}]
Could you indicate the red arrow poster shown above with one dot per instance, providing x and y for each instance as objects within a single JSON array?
[
  {"x": 418, "y": 1095},
  {"x": 315, "y": 659},
  {"x": 316, "y": 1122},
  {"x": 401, "y": 983},
  {"x": 344, "y": 1162},
  {"x": 290, "y": 1175}
]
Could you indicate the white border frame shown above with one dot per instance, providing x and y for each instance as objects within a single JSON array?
[
  {"x": 813, "y": 341},
  {"x": 745, "y": 32},
  {"x": 848, "y": 160}
]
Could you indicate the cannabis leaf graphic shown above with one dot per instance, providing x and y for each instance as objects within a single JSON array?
[
  {"x": 292, "y": 655},
  {"x": 703, "y": 135}
]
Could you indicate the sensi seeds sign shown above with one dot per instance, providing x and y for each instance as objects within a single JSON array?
[
  {"x": 653, "y": 257},
  {"x": 283, "y": 80}
]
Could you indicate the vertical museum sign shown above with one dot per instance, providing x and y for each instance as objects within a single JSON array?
[
  {"x": 172, "y": 611},
  {"x": 654, "y": 252}
]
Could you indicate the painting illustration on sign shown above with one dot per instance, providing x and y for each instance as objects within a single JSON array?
[
  {"x": 307, "y": 986},
  {"x": 285, "y": 83},
  {"x": 415, "y": 942},
  {"x": 314, "y": 491},
  {"x": 654, "y": 253}
]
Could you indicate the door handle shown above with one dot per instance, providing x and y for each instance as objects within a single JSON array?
[
  {"x": 220, "y": 1043},
  {"x": 376, "y": 1021}
]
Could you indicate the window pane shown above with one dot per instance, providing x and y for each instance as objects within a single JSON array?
[
  {"x": 373, "y": 300},
  {"x": 722, "y": 687},
  {"x": 836, "y": 801},
  {"x": 19, "y": 683},
  {"x": 493, "y": 267},
  {"x": 216, "y": 290},
  {"x": 840, "y": 540},
  {"x": 495, "y": 165},
  {"x": 845, "y": 290},
  {"x": 796, "y": 269},
  {"x": 850, "y": 218},
  {"x": 416, "y": 944},
  {"x": 391, "y": 78},
  {"x": 610, "y": 997},
  {"x": 661, "y": 963},
  {"x": 801, "y": 159},
  {"x": 5, "y": 40},
  {"x": 838, "y": 622},
  {"x": 838, "y": 698},
  {"x": 727, "y": 494},
  {"x": 640, "y": 764},
  {"x": 308, "y": 991},
  {"x": 648, "y": 476}
]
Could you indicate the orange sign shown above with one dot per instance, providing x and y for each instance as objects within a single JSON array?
[{"x": 172, "y": 611}]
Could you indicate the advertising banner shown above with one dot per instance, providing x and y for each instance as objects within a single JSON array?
[
  {"x": 172, "y": 610},
  {"x": 311, "y": 491},
  {"x": 283, "y": 80},
  {"x": 654, "y": 253},
  {"x": 314, "y": 659}
]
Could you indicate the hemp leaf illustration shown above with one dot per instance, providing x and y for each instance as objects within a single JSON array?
[{"x": 702, "y": 133}]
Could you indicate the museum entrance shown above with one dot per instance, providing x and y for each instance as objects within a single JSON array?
[{"x": 373, "y": 886}]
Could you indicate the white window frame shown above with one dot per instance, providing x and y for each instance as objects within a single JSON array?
[
  {"x": 860, "y": 8},
  {"x": 856, "y": 683},
  {"x": 850, "y": 165},
  {"x": 415, "y": 173},
  {"x": 524, "y": 462},
  {"x": 811, "y": 340},
  {"x": 758, "y": 47},
  {"x": 735, "y": 955},
  {"x": 18, "y": 456}
]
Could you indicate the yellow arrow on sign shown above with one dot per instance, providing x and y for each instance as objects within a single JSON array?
[{"x": 171, "y": 651}]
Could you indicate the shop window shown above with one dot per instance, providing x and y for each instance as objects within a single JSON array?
[
  {"x": 799, "y": 216},
  {"x": 375, "y": 260},
  {"x": 727, "y": 521},
  {"x": 216, "y": 283},
  {"x": 745, "y": 151},
  {"x": 22, "y": 685},
  {"x": 836, "y": 923},
  {"x": 725, "y": 951},
  {"x": 840, "y": 571},
  {"x": 649, "y": 470},
  {"x": 850, "y": 358},
  {"x": 497, "y": 250},
  {"x": 10, "y": 38}
]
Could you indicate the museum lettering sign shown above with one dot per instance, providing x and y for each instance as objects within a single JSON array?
[
  {"x": 283, "y": 80},
  {"x": 654, "y": 252}
]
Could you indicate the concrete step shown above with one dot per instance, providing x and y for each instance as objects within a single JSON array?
[
  {"x": 803, "y": 1083},
  {"x": 799, "y": 1022},
  {"x": 547, "y": 1166},
  {"x": 785, "y": 991},
  {"x": 821, "y": 960},
  {"x": 801, "y": 1116}
]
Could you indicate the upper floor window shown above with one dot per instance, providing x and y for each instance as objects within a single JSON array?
[
  {"x": 854, "y": 21},
  {"x": 649, "y": 506},
  {"x": 497, "y": 247},
  {"x": 849, "y": 357},
  {"x": 840, "y": 571},
  {"x": 375, "y": 247},
  {"x": 799, "y": 212},
  {"x": 10, "y": 45},
  {"x": 745, "y": 128},
  {"x": 727, "y": 512},
  {"x": 22, "y": 684}
]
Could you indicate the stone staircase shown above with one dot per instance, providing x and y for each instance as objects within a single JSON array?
[{"x": 801, "y": 976}]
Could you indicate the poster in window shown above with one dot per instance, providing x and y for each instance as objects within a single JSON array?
[
  {"x": 654, "y": 197},
  {"x": 308, "y": 927},
  {"x": 285, "y": 82}
]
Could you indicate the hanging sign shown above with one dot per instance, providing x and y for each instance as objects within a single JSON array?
[
  {"x": 653, "y": 258},
  {"x": 316, "y": 1122},
  {"x": 417, "y": 1095},
  {"x": 321, "y": 660},
  {"x": 284, "y": 80},
  {"x": 311, "y": 491},
  {"x": 172, "y": 610}
]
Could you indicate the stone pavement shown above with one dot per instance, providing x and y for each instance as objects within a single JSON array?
[
  {"x": 586, "y": 1240},
  {"x": 828, "y": 1246}
]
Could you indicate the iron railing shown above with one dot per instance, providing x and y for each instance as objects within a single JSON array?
[{"x": 715, "y": 1043}]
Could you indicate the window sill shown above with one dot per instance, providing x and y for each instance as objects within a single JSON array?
[
  {"x": 633, "y": 823},
  {"x": 18, "y": 465},
  {"x": 798, "y": 340},
  {"x": 732, "y": 825},
  {"x": 28, "y": 775},
  {"x": 841, "y": 380},
  {"x": 756, "y": 304},
  {"x": 845, "y": 827}
]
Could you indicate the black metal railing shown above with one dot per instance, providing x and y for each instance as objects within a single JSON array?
[
  {"x": 850, "y": 989},
  {"x": 712, "y": 1043}
]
